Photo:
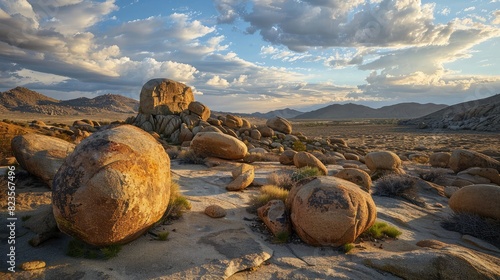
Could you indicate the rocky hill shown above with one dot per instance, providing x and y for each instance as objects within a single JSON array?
[
  {"x": 354, "y": 111},
  {"x": 21, "y": 99},
  {"x": 482, "y": 115},
  {"x": 286, "y": 113}
]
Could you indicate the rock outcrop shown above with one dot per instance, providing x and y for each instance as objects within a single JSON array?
[
  {"x": 164, "y": 97},
  {"x": 113, "y": 187}
]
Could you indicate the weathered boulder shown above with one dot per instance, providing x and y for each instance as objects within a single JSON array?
[
  {"x": 489, "y": 173},
  {"x": 41, "y": 155},
  {"x": 382, "y": 160},
  {"x": 266, "y": 131},
  {"x": 275, "y": 216},
  {"x": 463, "y": 159},
  {"x": 279, "y": 124},
  {"x": 185, "y": 134},
  {"x": 243, "y": 176},
  {"x": 329, "y": 211},
  {"x": 482, "y": 200},
  {"x": 357, "y": 176},
  {"x": 213, "y": 144},
  {"x": 419, "y": 158},
  {"x": 113, "y": 187},
  {"x": 255, "y": 134},
  {"x": 302, "y": 159},
  {"x": 233, "y": 122},
  {"x": 166, "y": 124},
  {"x": 286, "y": 158},
  {"x": 199, "y": 109},
  {"x": 440, "y": 159},
  {"x": 164, "y": 97}
]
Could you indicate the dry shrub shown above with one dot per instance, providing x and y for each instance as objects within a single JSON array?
[
  {"x": 394, "y": 185},
  {"x": 189, "y": 157},
  {"x": 475, "y": 225},
  {"x": 267, "y": 193},
  {"x": 305, "y": 172},
  {"x": 281, "y": 179}
]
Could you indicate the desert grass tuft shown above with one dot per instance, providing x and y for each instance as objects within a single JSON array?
[
  {"x": 111, "y": 251},
  {"x": 348, "y": 247},
  {"x": 189, "y": 157},
  {"x": 298, "y": 146},
  {"x": 305, "y": 172},
  {"x": 381, "y": 229},
  {"x": 178, "y": 204},
  {"x": 163, "y": 236},
  {"x": 475, "y": 225},
  {"x": 79, "y": 249},
  {"x": 267, "y": 193},
  {"x": 281, "y": 179}
]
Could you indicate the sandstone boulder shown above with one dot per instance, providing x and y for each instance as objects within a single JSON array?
[
  {"x": 113, "y": 187},
  {"x": 275, "y": 216},
  {"x": 382, "y": 160},
  {"x": 164, "y": 97},
  {"x": 41, "y": 155},
  {"x": 357, "y": 176},
  {"x": 199, "y": 109},
  {"x": 463, "y": 159},
  {"x": 166, "y": 124},
  {"x": 212, "y": 144},
  {"x": 233, "y": 122},
  {"x": 302, "y": 159},
  {"x": 215, "y": 211},
  {"x": 266, "y": 131},
  {"x": 286, "y": 158},
  {"x": 440, "y": 159},
  {"x": 243, "y": 176},
  {"x": 329, "y": 211},
  {"x": 280, "y": 124},
  {"x": 489, "y": 173},
  {"x": 185, "y": 134},
  {"x": 483, "y": 200}
]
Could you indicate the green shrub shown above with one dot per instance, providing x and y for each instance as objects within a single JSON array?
[
  {"x": 178, "y": 204},
  {"x": 79, "y": 249},
  {"x": 348, "y": 247},
  {"x": 299, "y": 146},
  {"x": 305, "y": 172},
  {"x": 163, "y": 236},
  {"x": 381, "y": 229}
]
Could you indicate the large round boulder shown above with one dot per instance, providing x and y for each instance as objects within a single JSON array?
[
  {"x": 382, "y": 160},
  {"x": 164, "y": 97},
  {"x": 302, "y": 159},
  {"x": 213, "y": 144},
  {"x": 280, "y": 124},
  {"x": 329, "y": 211},
  {"x": 483, "y": 200},
  {"x": 41, "y": 155},
  {"x": 113, "y": 187},
  {"x": 464, "y": 159},
  {"x": 440, "y": 159},
  {"x": 199, "y": 109}
]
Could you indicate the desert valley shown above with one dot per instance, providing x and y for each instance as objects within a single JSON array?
[{"x": 164, "y": 188}]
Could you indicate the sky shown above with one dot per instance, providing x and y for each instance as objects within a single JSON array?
[{"x": 256, "y": 55}]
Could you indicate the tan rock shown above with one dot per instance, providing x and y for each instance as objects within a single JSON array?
[
  {"x": 32, "y": 265},
  {"x": 275, "y": 216},
  {"x": 286, "y": 158},
  {"x": 243, "y": 176},
  {"x": 185, "y": 134},
  {"x": 212, "y": 144},
  {"x": 266, "y": 131},
  {"x": 279, "y": 124},
  {"x": 419, "y": 158},
  {"x": 351, "y": 156},
  {"x": 164, "y": 97},
  {"x": 440, "y": 159},
  {"x": 113, "y": 187},
  {"x": 357, "y": 176},
  {"x": 302, "y": 159},
  {"x": 199, "y": 109},
  {"x": 489, "y": 173},
  {"x": 431, "y": 243},
  {"x": 255, "y": 134},
  {"x": 382, "y": 160},
  {"x": 167, "y": 124},
  {"x": 329, "y": 211},
  {"x": 215, "y": 211},
  {"x": 233, "y": 122},
  {"x": 482, "y": 200},
  {"x": 245, "y": 123},
  {"x": 215, "y": 122},
  {"x": 463, "y": 159},
  {"x": 190, "y": 119},
  {"x": 41, "y": 155}
]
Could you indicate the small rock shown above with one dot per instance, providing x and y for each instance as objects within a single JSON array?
[
  {"x": 431, "y": 243},
  {"x": 215, "y": 211},
  {"x": 32, "y": 265},
  {"x": 274, "y": 215}
]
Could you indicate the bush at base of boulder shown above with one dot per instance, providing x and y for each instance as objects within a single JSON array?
[
  {"x": 483, "y": 200},
  {"x": 329, "y": 211},
  {"x": 113, "y": 187},
  {"x": 212, "y": 144}
]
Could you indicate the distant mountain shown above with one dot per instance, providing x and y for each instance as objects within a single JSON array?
[
  {"x": 286, "y": 113},
  {"x": 354, "y": 111},
  {"x": 21, "y": 99},
  {"x": 482, "y": 114}
]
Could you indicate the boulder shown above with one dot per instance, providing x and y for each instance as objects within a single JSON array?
[
  {"x": 185, "y": 134},
  {"x": 275, "y": 216},
  {"x": 113, "y": 187},
  {"x": 357, "y": 176},
  {"x": 213, "y": 144},
  {"x": 463, "y": 159},
  {"x": 382, "y": 160},
  {"x": 279, "y": 124},
  {"x": 164, "y": 97},
  {"x": 440, "y": 159},
  {"x": 166, "y": 125},
  {"x": 286, "y": 158},
  {"x": 329, "y": 211},
  {"x": 489, "y": 173},
  {"x": 302, "y": 159},
  {"x": 190, "y": 119},
  {"x": 482, "y": 200},
  {"x": 266, "y": 131},
  {"x": 233, "y": 122},
  {"x": 243, "y": 176},
  {"x": 41, "y": 155},
  {"x": 419, "y": 158},
  {"x": 199, "y": 109},
  {"x": 255, "y": 134}
]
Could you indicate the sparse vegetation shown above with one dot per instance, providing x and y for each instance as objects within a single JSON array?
[
  {"x": 381, "y": 229},
  {"x": 189, "y": 157},
  {"x": 267, "y": 157},
  {"x": 177, "y": 204},
  {"x": 268, "y": 193},
  {"x": 282, "y": 237},
  {"x": 281, "y": 179},
  {"x": 299, "y": 146},
  {"x": 79, "y": 249},
  {"x": 163, "y": 236},
  {"x": 348, "y": 247},
  {"x": 395, "y": 185},
  {"x": 305, "y": 172},
  {"x": 475, "y": 225}
]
